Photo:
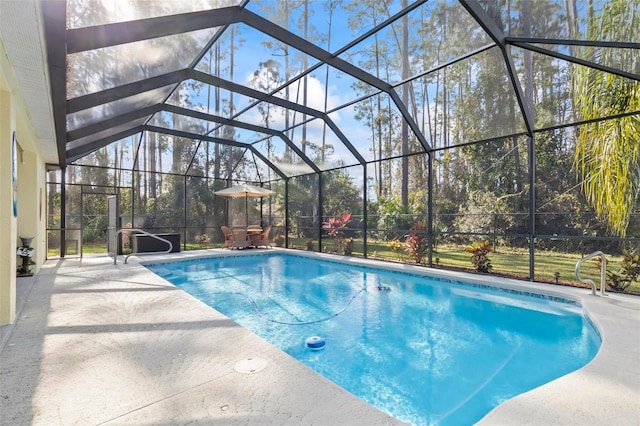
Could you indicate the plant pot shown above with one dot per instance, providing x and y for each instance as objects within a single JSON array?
[{"x": 26, "y": 241}]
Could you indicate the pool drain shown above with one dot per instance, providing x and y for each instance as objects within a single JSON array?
[{"x": 250, "y": 365}]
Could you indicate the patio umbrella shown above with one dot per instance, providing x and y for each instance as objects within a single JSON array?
[{"x": 246, "y": 191}]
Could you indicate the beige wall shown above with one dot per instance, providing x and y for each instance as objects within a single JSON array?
[
  {"x": 14, "y": 117},
  {"x": 8, "y": 224}
]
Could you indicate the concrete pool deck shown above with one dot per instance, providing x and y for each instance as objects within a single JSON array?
[{"x": 95, "y": 343}]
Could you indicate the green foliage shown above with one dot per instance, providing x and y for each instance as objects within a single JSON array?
[
  {"x": 549, "y": 222},
  {"x": 95, "y": 229},
  {"x": 344, "y": 195},
  {"x": 479, "y": 251},
  {"x": 393, "y": 215},
  {"x": 416, "y": 242},
  {"x": 418, "y": 202},
  {"x": 628, "y": 272},
  {"x": 476, "y": 215},
  {"x": 303, "y": 199},
  {"x": 607, "y": 156}
]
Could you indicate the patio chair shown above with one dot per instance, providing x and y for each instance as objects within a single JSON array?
[
  {"x": 239, "y": 237},
  {"x": 227, "y": 236},
  {"x": 264, "y": 239}
]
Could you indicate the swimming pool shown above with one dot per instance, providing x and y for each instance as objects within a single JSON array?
[{"x": 424, "y": 350}]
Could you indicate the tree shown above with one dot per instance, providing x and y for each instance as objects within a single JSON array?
[
  {"x": 405, "y": 99},
  {"x": 607, "y": 155},
  {"x": 376, "y": 112}
]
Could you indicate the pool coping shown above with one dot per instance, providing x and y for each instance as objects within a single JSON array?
[{"x": 53, "y": 308}]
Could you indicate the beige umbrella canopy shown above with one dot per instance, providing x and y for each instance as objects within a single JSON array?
[{"x": 245, "y": 190}]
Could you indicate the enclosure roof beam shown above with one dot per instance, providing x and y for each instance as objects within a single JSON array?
[
  {"x": 189, "y": 135},
  {"x": 578, "y": 61},
  {"x": 481, "y": 16},
  {"x": 242, "y": 125},
  {"x": 120, "y": 92},
  {"x": 148, "y": 111},
  {"x": 55, "y": 24},
  {"x": 573, "y": 42},
  {"x": 517, "y": 87},
  {"x": 101, "y": 36},
  {"x": 107, "y": 35},
  {"x": 252, "y": 93},
  {"x": 132, "y": 89},
  {"x": 80, "y": 151},
  {"x": 267, "y": 27},
  {"x": 112, "y": 122},
  {"x": 82, "y": 39}
]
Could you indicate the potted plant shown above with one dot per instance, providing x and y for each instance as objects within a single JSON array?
[
  {"x": 26, "y": 241},
  {"x": 25, "y": 252}
]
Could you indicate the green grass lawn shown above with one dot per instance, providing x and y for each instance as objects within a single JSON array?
[
  {"x": 508, "y": 262},
  {"x": 512, "y": 263}
]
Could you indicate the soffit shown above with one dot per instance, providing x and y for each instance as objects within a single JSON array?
[{"x": 22, "y": 31}]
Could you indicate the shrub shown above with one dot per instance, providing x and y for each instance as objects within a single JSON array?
[
  {"x": 628, "y": 272},
  {"x": 203, "y": 240},
  {"x": 347, "y": 245},
  {"x": 335, "y": 229},
  {"x": 309, "y": 245},
  {"x": 95, "y": 230},
  {"x": 416, "y": 242},
  {"x": 278, "y": 240},
  {"x": 395, "y": 246},
  {"x": 479, "y": 250}
]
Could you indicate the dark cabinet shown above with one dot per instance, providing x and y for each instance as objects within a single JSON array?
[{"x": 146, "y": 244}]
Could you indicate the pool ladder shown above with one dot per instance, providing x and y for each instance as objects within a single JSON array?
[
  {"x": 603, "y": 268},
  {"x": 115, "y": 251}
]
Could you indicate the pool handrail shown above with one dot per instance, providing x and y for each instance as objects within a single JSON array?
[
  {"x": 603, "y": 268},
  {"x": 115, "y": 245}
]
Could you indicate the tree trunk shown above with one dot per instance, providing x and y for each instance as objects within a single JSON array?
[
  {"x": 529, "y": 89},
  {"x": 405, "y": 101},
  {"x": 152, "y": 165}
]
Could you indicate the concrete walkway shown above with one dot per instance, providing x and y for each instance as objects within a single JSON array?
[
  {"x": 101, "y": 344},
  {"x": 96, "y": 344}
]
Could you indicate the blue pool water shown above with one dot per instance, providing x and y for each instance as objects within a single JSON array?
[{"x": 425, "y": 351}]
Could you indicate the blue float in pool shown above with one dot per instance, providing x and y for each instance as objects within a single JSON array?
[{"x": 315, "y": 343}]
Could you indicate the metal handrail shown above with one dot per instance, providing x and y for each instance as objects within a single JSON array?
[
  {"x": 603, "y": 268},
  {"x": 115, "y": 245}
]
